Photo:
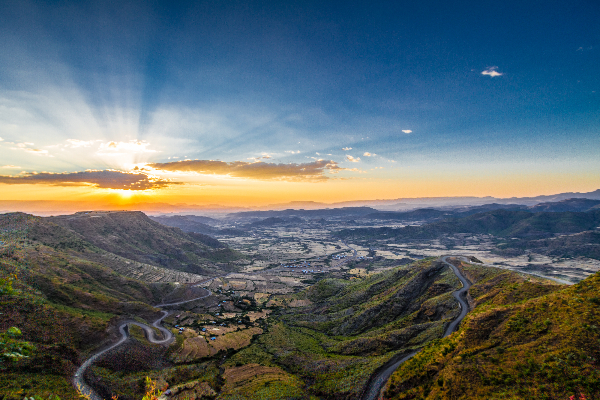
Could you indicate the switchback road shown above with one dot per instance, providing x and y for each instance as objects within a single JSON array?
[
  {"x": 167, "y": 338},
  {"x": 378, "y": 381}
]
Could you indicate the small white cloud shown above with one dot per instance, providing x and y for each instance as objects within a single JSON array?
[
  {"x": 10, "y": 167},
  {"x": 25, "y": 147},
  {"x": 293, "y": 152},
  {"x": 352, "y": 159},
  {"x": 79, "y": 143},
  {"x": 360, "y": 171},
  {"x": 367, "y": 154},
  {"x": 37, "y": 151},
  {"x": 1, "y": 139},
  {"x": 491, "y": 71},
  {"x": 406, "y": 131},
  {"x": 347, "y": 148}
]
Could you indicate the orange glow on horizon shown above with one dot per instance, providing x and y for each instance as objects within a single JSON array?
[{"x": 254, "y": 193}]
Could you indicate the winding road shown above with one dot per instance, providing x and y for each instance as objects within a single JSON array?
[
  {"x": 378, "y": 381},
  {"x": 167, "y": 338}
]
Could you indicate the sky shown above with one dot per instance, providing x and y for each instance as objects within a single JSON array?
[{"x": 259, "y": 102}]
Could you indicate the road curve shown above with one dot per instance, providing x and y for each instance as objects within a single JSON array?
[
  {"x": 378, "y": 381},
  {"x": 167, "y": 338}
]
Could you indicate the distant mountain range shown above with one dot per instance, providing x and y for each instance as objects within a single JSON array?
[
  {"x": 422, "y": 202},
  {"x": 43, "y": 207}
]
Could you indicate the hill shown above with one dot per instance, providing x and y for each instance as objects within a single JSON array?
[
  {"x": 197, "y": 224},
  {"x": 350, "y": 328},
  {"x": 520, "y": 341},
  {"x": 575, "y": 204},
  {"x": 134, "y": 236},
  {"x": 63, "y": 304},
  {"x": 185, "y": 223},
  {"x": 518, "y": 224},
  {"x": 432, "y": 214}
]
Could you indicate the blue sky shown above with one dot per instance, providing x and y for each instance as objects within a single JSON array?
[{"x": 481, "y": 87}]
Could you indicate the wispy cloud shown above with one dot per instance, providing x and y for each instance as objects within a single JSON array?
[
  {"x": 265, "y": 156},
  {"x": 293, "y": 152},
  {"x": 1, "y": 140},
  {"x": 491, "y": 71},
  {"x": 352, "y": 159},
  {"x": 26, "y": 147},
  {"x": 312, "y": 171},
  {"x": 346, "y": 148},
  {"x": 119, "y": 148},
  {"x": 10, "y": 167},
  {"x": 367, "y": 154},
  {"x": 106, "y": 179},
  {"x": 79, "y": 143},
  {"x": 406, "y": 131}
]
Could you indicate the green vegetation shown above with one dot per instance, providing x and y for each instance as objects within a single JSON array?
[
  {"x": 525, "y": 339},
  {"x": 55, "y": 307},
  {"x": 134, "y": 236}
]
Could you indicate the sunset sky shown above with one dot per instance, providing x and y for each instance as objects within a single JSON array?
[{"x": 260, "y": 102}]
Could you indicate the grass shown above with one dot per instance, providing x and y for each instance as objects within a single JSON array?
[
  {"x": 17, "y": 385},
  {"x": 529, "y": 340}
]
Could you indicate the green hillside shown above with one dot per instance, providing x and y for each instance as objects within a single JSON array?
[
  {"x": 353, "y": 327},
  {"x": 63, "y": 305},
  {"x": 523, "y": 340},
  {"x": 134, "y": 236}
]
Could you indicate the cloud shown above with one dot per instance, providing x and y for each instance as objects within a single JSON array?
[
  {"x": 11, "y": 167},
  {"x": 367, "y": 154},
  {"x": 1, "y": 140},
  {"x": 74, "y": 143},
  {"x": 406, "y": 131},
  {"x": 106, "y": 179},
  {"x": 25, "y": 146},
  {"x": 491, "y": 71},
  {"x": 265, "y": 156},
  {"x": 254, "y": 170},
  {"x": 293, "y": 152},
  {"x": 352, "y": 159},
  {"x": 37, "y": 151},
  {"x": 119, "y": 148},
  {"x": 346, "y": 148}
]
